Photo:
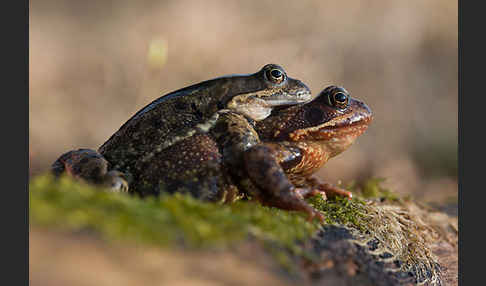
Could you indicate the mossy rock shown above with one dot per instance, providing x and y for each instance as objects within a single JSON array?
[{"x": 378, "y": 240}]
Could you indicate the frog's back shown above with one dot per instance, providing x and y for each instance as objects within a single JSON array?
[
  {"x": 157, "y": 124},
  {"x": 185, "y": 112}
]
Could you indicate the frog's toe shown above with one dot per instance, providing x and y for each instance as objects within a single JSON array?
[
  {"x": 307, "y": 193},
  {"x": 333, "y": 191},
  {"x": 116, "y": 181},
  {"x": 339, "y": 192},
  {"x": 315, "y": 214}
]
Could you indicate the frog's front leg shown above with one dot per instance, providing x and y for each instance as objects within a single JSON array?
[
  {"x": 264, "y": 164},
  {"x": 256, "y": 165}
]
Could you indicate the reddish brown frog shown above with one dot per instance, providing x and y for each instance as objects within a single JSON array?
[{"x": 298, "y": 141}]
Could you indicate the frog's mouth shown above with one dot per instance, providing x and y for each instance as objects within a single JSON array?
[
  {"x": 331, "y": 132},
  {"x": 347, "y": 126},
  {"x": 259, "y": 105}
]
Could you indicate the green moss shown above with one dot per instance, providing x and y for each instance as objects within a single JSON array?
[
  {"x": 378, "y": 213},
  {"x": 180, "y": 220},
  {"x": 170, "y": 219},
  {"x": 341, "y": 210},
  {"x": 354, "y": 213}
]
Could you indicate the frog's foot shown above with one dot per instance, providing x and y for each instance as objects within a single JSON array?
[
  {"x": 307, "y": 193},
  {"x": 333, "y": 191},
  {"x": 116, "y": 181},
  {"x": 329, "y": 189}
]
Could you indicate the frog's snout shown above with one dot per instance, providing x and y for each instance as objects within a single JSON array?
[
  {"x": 299, "y": 90},
  {"x": 363, "y": 111}
]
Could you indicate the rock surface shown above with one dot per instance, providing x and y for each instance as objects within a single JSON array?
[{"x": 84, "y": 236}]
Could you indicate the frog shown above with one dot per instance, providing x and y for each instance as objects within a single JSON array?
[
  {"x": 296, "y": 142},
  {"x": 195, "y": 109},
  {"x": 281, "y": 153}
]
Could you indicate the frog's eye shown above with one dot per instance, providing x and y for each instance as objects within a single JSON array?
[
  {"x": 339, "y": 98},
  {"x": 275, "y": 75}
]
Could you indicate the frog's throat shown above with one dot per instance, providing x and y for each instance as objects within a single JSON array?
[
  {"x": 258, "y": 105},
  {"x": 256, "y": 112}
]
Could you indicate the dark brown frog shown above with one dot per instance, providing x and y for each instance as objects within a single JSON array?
[
  {"x": 195, "y": 109},
  {"x": 179, "y": 115}
]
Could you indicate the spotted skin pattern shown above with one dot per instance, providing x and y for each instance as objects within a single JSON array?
[{"x": 181, "y": 114}]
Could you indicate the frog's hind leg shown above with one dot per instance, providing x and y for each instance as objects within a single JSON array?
[
  {"x": 83, "y": 164},
  {"x": 192, "y": 166},
  {"x": 89, "y": 166}
]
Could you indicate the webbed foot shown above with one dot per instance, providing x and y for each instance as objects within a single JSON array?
[
  {"x": 307, "y": 193},
  {"x": 116, "y": 181},
  {"x": 329, "y": 189}
]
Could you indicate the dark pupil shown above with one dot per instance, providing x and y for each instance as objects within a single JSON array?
[
  {"x": 276, "y": 73},
  {"x": 340, "y": 97}
]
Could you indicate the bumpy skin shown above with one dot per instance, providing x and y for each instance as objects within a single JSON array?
[{"x": 143, "y": 147}]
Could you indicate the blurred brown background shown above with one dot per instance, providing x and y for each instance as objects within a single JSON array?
[{"x": 93, "y": 64}]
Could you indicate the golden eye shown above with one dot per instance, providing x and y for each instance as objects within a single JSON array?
[
  {"x": 339, "y": 98},
  {"x": 275, "y": 75}
]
